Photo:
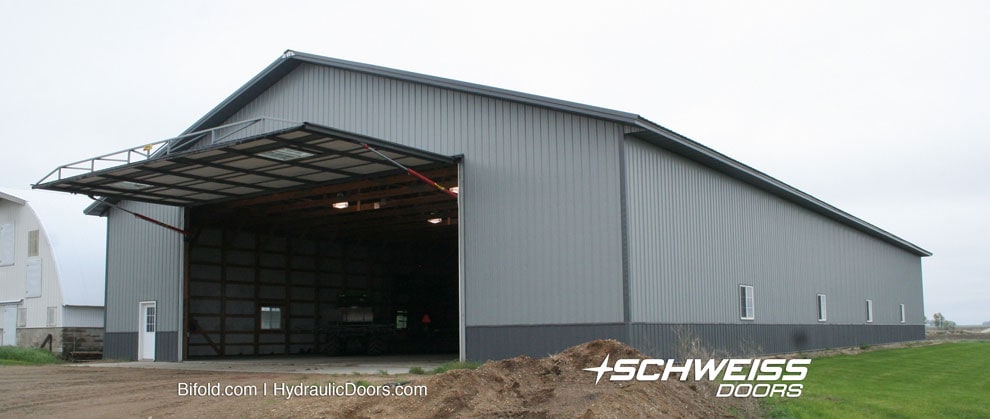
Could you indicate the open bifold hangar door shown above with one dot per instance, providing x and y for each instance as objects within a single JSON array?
[
  {"x": 227, "y": 163},
  {"x": 298, "y": 238}
]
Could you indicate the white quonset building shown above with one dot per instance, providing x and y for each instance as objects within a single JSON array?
[
  {"x": 571, "y": 223},
  {"x": 51, "y": 280}
]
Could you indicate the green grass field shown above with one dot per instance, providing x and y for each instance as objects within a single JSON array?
[
  {"x": 10, "y": 355},
  {"x": 943, "y": 380}
]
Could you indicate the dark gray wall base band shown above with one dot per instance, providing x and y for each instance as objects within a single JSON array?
[
  {"x": 663, "y": 340},
  {"x": 120, "y": 346},
  {"x": 499, "y": 342},
  {"x": 750, "y": 339},
  {"x": 124, "y": 346},
  {"x": 167, "y": 346}
]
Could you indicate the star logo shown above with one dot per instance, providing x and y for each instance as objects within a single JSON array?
[{"x": 601, "y": 370}]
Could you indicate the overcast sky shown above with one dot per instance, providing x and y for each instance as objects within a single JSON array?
[{"x": 879, "y": 108}]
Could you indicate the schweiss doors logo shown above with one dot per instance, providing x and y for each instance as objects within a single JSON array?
[{"x": 741, "y": 377}]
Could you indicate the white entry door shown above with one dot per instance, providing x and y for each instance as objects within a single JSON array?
[
  {"x": 147, "y": 324},
  {"x": 9, "y": 325}
]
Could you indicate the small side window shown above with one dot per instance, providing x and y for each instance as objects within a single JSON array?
[
  {"x": 746, "y": 303},
  {"x": 822, "y": 309},
  {"x": 869, "y": 311},
  {"x": 151, "y": 319},
  {"x": 271, "y": 317},
  {"x": 903, "y": 316}
]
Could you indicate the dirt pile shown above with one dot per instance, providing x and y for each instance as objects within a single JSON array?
[{"x": 555, "y": 386}]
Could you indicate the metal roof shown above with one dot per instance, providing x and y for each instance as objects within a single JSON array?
[
  {"x": 661, "y": 137},
  {"x": 12, "y": 198},
  {"x": 291, "y": 59},
  {"x": 293, "y": 157},
  {"x": 651, "y": 131}
]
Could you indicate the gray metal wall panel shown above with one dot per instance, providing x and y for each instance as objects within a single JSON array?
[
  {"x": 695, "y": 235},
  {"x": 664, "y": 340},
  {"x": 540, "y": 195},
  {"x": 167, "y": 346},
  {"x": 121, "y": 346},
  {"x": 500, "y": 342},
  {"x": 144, "y": 263}
]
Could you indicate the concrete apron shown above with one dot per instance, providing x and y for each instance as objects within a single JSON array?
[{"x": 395, "y": 364}]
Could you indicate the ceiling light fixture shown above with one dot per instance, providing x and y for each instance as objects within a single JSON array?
[
  {"x": 434, "y": 220},
  {"x": 455, "y": 189},
  {"x": 340, "y": 203}
]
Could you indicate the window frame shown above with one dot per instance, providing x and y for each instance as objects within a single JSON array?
[
  {"x": 151, "y": 319},
  {"x": 869, "y": 310},
  {"x": 265, "y": 324},
  {"x": 401, "y": 319},
  {"x": 747, "y": 302},
  {"x": 821, "y": 306}
]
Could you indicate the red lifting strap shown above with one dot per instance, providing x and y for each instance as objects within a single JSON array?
[
  {"x": 425, "y": 179},
  {"x": 146, "y": 218}
]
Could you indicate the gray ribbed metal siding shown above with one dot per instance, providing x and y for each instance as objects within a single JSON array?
[
  {"x": 167, "y": 346},
  {"x": 144, "y": 263},
  {"x": 499, "y": 342},
  {"x": 665, "y": 340},
  {"x": 120, "y": 345},
  {"x": 540, "y": 196},
  {"x": 123, "y": 346},
  {"x": 695, "y": 235}
]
